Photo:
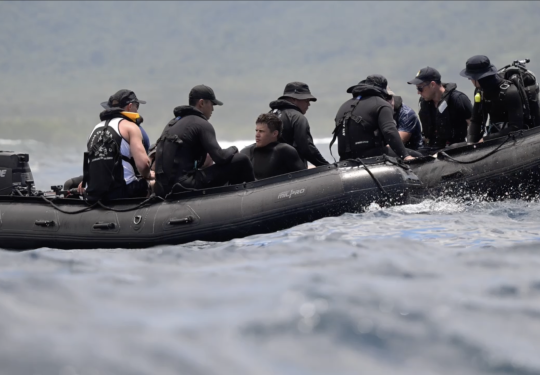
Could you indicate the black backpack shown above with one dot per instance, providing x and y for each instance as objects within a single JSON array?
[
  {"x": 102, "y": 169},
  {"x": 528, "y": 89}
]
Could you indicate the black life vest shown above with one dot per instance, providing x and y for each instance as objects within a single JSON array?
[
  {"x": 355, "y": 135},
  {"x": 442, "y": 129},
  {"x": 165, "y": 181},
  {"x": 495, "y": 108}
]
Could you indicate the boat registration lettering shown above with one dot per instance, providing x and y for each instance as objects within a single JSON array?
[
  {"x": 3, "y": 172},
  {"x": 290, "y": 194}
]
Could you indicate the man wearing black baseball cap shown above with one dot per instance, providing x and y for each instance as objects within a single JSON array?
[
  {"x": 291, "y": 108},
  {"x": 365, "y": 123},
  {"x": 188, "y": 155},
  {"x": 495, "y": 98},
  {"x": 104, "y": 176},
  {"x": 444, "y": 111}
]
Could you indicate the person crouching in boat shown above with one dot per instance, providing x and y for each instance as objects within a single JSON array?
[
  {"x": 365, "y": 123},
  {"x": 269, "y": 157},
  {"x": 188, "y": 155},
  {"x": 444, "y": 112},
  {"x": 408, "y": 124},
  {"x": 116, "y": 153}
]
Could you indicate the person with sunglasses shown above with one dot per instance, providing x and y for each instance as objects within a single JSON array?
[
  {"x": 445, "y": 112},
  {"x": 117, "y": 165}
]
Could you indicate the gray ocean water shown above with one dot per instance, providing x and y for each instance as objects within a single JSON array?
[{"x": 440, "y": 287}]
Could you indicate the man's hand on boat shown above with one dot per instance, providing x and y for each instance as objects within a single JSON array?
[
  {"x": 80, "y": 189},
  {"x": 407, "y": 158}
]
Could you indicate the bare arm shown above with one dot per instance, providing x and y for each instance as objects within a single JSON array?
[
  {"x": 132, "y": 134},
  {"x": 404, "y": 136}
]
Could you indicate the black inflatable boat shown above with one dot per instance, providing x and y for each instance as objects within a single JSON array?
[{"x": 504, "y": 167}]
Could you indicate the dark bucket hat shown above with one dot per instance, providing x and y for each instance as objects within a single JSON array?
[
  {"x": 297, "y": 90},
  {"x": 478, "y": 67},
  {"x": 121, "y": 98},
  {"x": 374, "y": 80}
]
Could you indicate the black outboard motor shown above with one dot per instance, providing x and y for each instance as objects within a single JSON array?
[{"x": 14, "y": 172}]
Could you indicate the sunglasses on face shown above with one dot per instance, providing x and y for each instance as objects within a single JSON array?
[
  {"x": 421, "y": 88},
  {"x": 136, "y": 104}
]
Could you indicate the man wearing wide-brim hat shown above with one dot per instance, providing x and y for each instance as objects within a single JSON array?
[
  {"x": 291, "y": 108},
  {"x": 494, "y": 97}
]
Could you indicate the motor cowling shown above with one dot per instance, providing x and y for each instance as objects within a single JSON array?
[{"x": 14, "y": 171}]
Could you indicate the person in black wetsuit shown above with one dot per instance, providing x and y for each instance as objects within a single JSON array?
[
  {"x": 494, "y": 97},
  {"x": 270, "y": 158},
  {"x": 444, "y": 111},
  {"x": 365, "y": 123},
  {"x": 291, "y": 108},
  {"x": 182, "y": 151}
]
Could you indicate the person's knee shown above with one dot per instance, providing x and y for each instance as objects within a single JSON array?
[
  {"x": 241, "y": 158},
  {"x": 72, "y": 183}
]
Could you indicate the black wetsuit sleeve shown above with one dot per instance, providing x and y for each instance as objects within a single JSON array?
[
  {"x": 210, "y": 144},
  {"x": 514, "y": 108},
  {"x": 248, "y": 151},
  {"x": 304, "y": 141},
  {"x": 292, "y": 160},
  {"x": 474, "y": 132},
  {"x": 389, "y": 131}
]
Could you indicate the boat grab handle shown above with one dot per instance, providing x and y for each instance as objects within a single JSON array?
[
  {"x": 185, "y": 220},
  {"x": 104, "y": 226},
  {"x": 44, "y": 223}
]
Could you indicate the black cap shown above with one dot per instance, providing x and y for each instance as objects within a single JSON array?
[
  {"x": 478, "y": 67},
  {"x": 426, "y": 74},
  {"x": 297, "y": 90},
  {"x": 374, "y": 80},
  {"x": 121, "y": 98},
  {"x": 204, "y": 92}
]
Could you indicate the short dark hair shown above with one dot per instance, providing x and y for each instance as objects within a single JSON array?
[
  {"x": 193, "y": 101},
  {"x": 272, "y": 121}
]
